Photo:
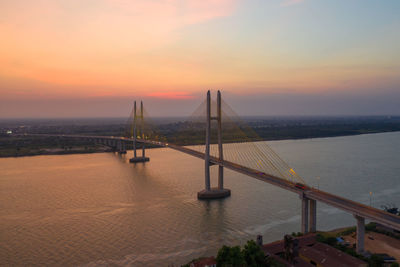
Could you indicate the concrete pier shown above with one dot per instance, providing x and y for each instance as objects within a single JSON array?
[
  {"x": 313, "y": 216},
  {"x": 360, "y": 234},
  {"x": 139, "y": 159},
  {"x": 121, "y": 147},
  {"x": 213, "y": 193},
  {"x": 114, "y": 145},
  {"x": 304, "y": 214}
]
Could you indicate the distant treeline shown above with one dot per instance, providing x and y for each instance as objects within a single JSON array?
[{"x": 185, "y": 132}]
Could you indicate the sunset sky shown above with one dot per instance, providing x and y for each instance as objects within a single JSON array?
[{"x": 84, "y": 58}]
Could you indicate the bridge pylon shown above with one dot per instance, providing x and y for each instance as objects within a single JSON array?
[
  {"x": 138, "y": 132},
  {"x": 220, "y": 191}
]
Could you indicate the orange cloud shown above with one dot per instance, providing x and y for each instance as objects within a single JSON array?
[
  {"x": 181, "y": 12},
  {"x": 113, "y": 43}
]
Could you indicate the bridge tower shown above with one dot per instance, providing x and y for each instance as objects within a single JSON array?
[
  {"x": 141, "y": 135},
  {"x": 220, "y": 191}
]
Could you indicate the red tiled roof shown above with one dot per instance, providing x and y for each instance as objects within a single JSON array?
[
  {"x": 277, "y": 246},
  {"x": 310, "y": 249},
  {"x": 299, "y": 262},
  {"x": 329, "y": 256},
  {"x": 204, "y": 262}
]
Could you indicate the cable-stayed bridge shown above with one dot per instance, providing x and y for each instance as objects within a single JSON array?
[{"x": 242, "y": 154}]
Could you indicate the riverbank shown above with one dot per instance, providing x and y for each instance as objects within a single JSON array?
[
  {"x": 20, "y": 151},
  {"x": 379, "y": 241},
  {"x": 380, "y": 249},
  {"x": 180, "y": 132}
]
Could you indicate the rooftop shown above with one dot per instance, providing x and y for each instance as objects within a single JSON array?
[{"x": 313, "y": 253}]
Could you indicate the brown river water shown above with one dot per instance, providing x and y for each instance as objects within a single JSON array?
[{"x": 99, "y": 210}]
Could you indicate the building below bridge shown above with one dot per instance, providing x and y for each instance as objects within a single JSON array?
[
  {"x": 309, "y": 252},
  {"x": 305, "y": 251}
]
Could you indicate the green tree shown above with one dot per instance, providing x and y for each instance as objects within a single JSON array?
[
  {"x": 391, "y": 208},
  {"x": 253, "y": 254},
  {"x": 375, "y": 261},
  {"x": 230, "y": 257}
]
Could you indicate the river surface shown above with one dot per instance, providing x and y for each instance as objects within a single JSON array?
[{"x": 99, "y": 210}]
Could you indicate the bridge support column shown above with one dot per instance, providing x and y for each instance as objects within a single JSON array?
[
  {"x": 115, "y": 145},
  {"x": 220, "y": 191},
  {"x": 304, "y": 214},
  {"x": 135, "y": 158},
  {"x": 360, "y": 234},
  {"x": 134, "y": 133},
  {"x": 208, "y": 140},
  {"x": 313, "y": 216},
  {"x": 220, "y": 146},
  {"x": 112, "y": 145},
  {"x": 121, "y": 147}
]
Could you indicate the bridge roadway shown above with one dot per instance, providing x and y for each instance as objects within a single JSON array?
[{"x": 355, "y": 208}]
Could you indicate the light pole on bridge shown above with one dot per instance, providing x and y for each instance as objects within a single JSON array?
[{"x": 370, "y": 199}]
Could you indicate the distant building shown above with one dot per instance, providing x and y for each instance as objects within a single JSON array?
[
  {"x": 205, "y": 262},
  {"x": 311, "y": 253}
]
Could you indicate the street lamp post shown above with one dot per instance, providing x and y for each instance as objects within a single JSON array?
[{"x": 370, "y": 199}]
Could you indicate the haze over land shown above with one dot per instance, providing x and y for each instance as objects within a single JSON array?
[{"x": 71, "y": 58}]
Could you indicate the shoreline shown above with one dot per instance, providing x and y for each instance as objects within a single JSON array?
[{"x": 91, "y": 151}]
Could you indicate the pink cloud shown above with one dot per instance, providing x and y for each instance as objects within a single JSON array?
[
  {"x": 176, "y": 12},
  {"x": 200, "y": 11}
]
